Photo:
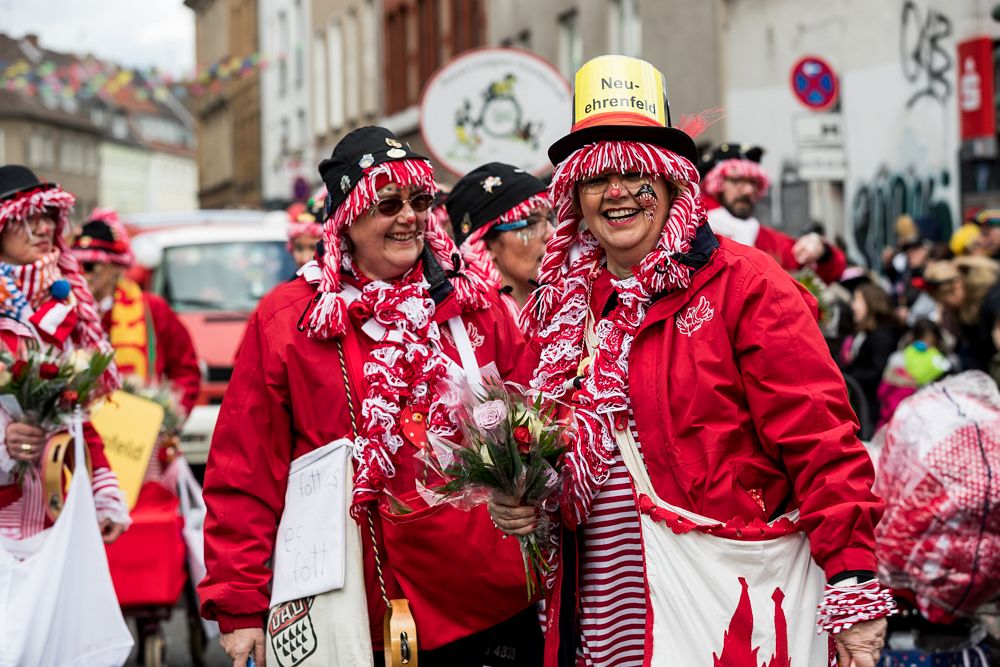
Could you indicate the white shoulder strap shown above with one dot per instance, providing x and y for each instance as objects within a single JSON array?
[{"x": 465, "y": 352}]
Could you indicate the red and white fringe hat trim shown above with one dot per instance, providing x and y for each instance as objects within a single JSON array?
[
  {"x": 108, "y": 216},
  {"x": 21, "y": 208},
  {"x": 567, "y": 242},
  {"x": 477, "y": 256},
  {"x": 306, "y": 228},
  {"x": 843, "y": 607},
  {"x": 329, "y": 315},
  {"x": 736, "y": 168}
]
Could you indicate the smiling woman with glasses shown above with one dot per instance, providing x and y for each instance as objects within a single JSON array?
[
  {"x": 350, "y": 359},
  {"x": 503, "y": 219}
]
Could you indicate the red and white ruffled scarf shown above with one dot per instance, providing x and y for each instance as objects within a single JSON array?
[
  {"x": 556, "y": 315},
  {"x": 407, "y": 367}
]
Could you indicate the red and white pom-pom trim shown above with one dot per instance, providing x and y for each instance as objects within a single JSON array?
[
  {"x": 843, "y": 607},
  {"x": 735, "y": 168}
]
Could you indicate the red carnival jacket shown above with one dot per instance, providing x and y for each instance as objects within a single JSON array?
[
  {"x": 741, "y": 412},
  {"x": 287, "y": 398}
]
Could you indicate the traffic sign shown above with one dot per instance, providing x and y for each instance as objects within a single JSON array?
[{"x": 814, "y": 83}]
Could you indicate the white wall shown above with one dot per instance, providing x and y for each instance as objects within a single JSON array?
[
  {"x": 123, "y": 180},
  {"x": 173, "y": 183},
  {"x": 892, "y": 134},
  {"x": 286, "y": 109}
]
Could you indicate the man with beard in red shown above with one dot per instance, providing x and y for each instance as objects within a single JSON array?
[{"x": 733, "y": 181}]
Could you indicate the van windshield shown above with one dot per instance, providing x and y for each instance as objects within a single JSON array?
[{"x": 223, "y": 276}]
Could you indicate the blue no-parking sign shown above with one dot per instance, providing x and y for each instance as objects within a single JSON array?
[{"x": 814, "y": 83}]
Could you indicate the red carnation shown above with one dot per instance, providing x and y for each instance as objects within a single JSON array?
[
  {"x": 70, "y": 396},
  {"x": 48, "y": 371},
  {"x": 18, "y": 368},
  {"x": 522, "y": 436}
]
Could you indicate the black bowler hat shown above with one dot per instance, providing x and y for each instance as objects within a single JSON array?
[
  {"x": 725, "y": 152},
  {"x": 619, "y": 98},
  {"x": 16, "y": 178},
  {"x": 360, "y": 149},
  {"x": 485, "y": 194}
]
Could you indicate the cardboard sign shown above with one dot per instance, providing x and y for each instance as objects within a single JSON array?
[
  {"x": 612, "y": 89},
  {"x": 129, "y": 427},
  {"x": 310, "y": 549}
]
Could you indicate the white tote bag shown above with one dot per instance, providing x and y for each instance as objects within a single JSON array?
[
  {"x": 57, "y": 604},
  {"x": 193, "y": 512},
  {"x": 718, "y": 601},
  {"x": 319, "y": 608}
]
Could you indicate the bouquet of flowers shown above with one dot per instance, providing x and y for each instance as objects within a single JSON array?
[
  {"x": 44, "y": 387},
  {"x": 511, "y": 444}
]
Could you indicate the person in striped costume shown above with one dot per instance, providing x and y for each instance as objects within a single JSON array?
[
  {"x": 717, "y": 505},
  {"x": 39, "y": 278}
]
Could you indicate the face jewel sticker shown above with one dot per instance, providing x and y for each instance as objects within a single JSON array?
[
  {"x": 490, "y": 183},
  {"x": 392, "y": 143},
  {"x": 345, "y": 183},
  {"x": 396, "y": 153},
  {"x": 366, "y": 161}
]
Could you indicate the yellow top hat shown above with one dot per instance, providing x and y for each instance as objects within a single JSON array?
[{"x": 619, "y": 98}]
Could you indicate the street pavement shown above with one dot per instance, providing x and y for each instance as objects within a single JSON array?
[{"x": 178, "y": 653}]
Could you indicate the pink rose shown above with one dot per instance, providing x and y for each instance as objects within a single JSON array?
[{"x": 489, "y": 415}]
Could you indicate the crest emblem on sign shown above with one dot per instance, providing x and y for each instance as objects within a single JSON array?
[
  {"x": 293, "y": 637},
  {"x": 695, "y": 316}
]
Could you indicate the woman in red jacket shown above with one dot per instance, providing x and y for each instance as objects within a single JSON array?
[
  {"x": 715, "y": 448},
  {"x": 38, "y": 278},
  {"x": 355, "y": 350}
]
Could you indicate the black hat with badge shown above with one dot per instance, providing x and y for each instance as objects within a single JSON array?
[
  {"x": 360, "y": 149},
  {"x": 485, "y": 194}
]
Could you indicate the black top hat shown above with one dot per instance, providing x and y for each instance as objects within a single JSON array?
[
  {"x": 358, "y": 150},
  {"x": 16, "y": 178},
  {"x": 724, "y": 152},
  {"x": 619, "y": 98},
  {"x": 485, "y": 194}
]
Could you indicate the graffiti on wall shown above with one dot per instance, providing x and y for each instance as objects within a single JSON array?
[
  {"x": 925, "y": 58},
  {"x": 878, "y": 202}
]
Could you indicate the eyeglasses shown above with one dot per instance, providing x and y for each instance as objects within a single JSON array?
[
  {"x": 740, "y": 181},
  {"x": 598, "y": 185},
  {"x": 393, "y": 205},
  {"x": 528, "y": 229}
]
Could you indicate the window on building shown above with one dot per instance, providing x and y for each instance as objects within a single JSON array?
[
  {"x": 428, "y": 55},
  {"x": 286, "y": 138},
  {"x": 71, "y": 158},
  {"x": 570, "y": 44},
  {"x": 370, "y": 46},
  {"x": 3, "y": 155},
  {"x": 41, "y": 151},
  {"x": 624, "y": 29},
  {"x": 468, "y": 24},
  {"x": 352, "y": 66},
  {"x": 335, "y": 55},
  {"x": 119, "y": 126},
  {"x": 300, "y": 44},
  {"x": 303, "y": 130},
  {"x": 319, "y": 88},
  {"x": 283, "y": 45}
]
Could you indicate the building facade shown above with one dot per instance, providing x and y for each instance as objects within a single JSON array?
[
  {"x": 682, "y": 39},
  {"x": 288, "y": 156},
  {"x": 891, "y": 142},
  {"x": 227, "y": 112}
]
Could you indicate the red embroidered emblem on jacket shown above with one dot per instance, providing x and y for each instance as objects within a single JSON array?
[{"x": 695, "y": 316}]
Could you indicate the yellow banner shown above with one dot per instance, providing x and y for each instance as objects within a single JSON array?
[
  {"x": 619, "y": 85},
  {"x": 129, "y": 426}
]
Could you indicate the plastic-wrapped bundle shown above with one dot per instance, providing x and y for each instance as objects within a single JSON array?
[{"x": 939, "y": 473}]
